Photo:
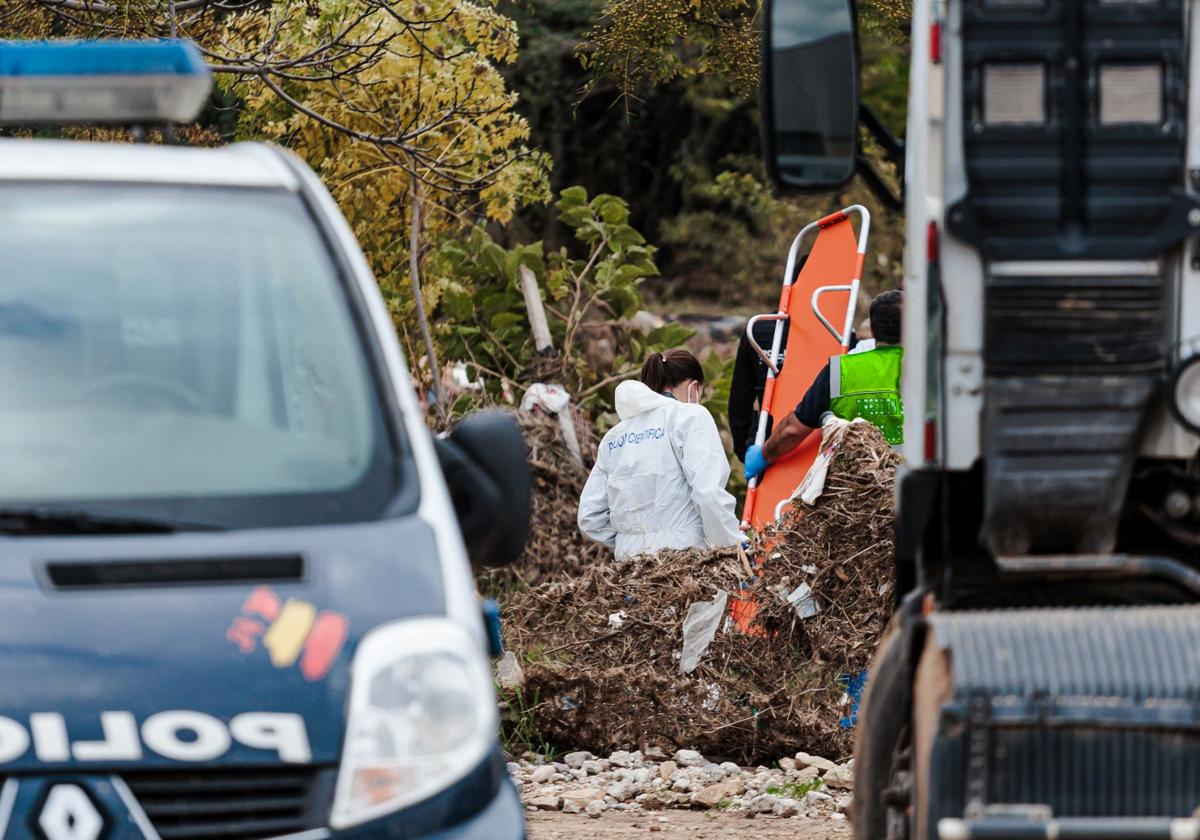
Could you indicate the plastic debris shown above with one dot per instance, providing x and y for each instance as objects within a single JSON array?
[
  {"x": 833, "y": 432},
  {"x": 854, "y": 685},
  {"x": 711, "y": 698},
  {"x": 549, "y": 398},
  {"x": 699, "y": 627},
  {"x": 802, "y": 601},
  {"x": 509, "y": 673}
]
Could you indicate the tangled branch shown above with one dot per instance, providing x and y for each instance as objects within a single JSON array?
[{"x": 341, "y": 73}]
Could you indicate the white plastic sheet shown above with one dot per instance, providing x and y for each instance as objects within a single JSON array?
[{"x": 699, "y": 627}]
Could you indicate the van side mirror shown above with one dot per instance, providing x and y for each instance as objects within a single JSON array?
[
  {"x": 487, "y": 472},
  {"x": 810, "y": 93}
]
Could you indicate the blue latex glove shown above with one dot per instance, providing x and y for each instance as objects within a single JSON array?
[{"x": 756, "y": 462}]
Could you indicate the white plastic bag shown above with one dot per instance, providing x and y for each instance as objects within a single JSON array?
[
  {"x": 509, "y": 673},
  {"x": 549, "y": 398},
  {"x": 833, "y": 432},
  {"x": 699, "y": 627},
  {"x": 555, "y": 401},
  {"x": 813, "y": 485}
]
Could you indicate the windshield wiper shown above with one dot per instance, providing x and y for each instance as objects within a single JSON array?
[{"x": 53, "y": 520}]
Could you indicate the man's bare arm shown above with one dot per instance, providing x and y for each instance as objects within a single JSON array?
[{"x": 789, "y": 434}]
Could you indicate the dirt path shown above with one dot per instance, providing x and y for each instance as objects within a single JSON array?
[{"x": 682, "y": 825}]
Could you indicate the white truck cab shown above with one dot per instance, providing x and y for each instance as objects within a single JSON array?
[{"x": 1048, "y": 536}]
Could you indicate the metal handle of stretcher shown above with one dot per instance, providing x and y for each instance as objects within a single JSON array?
[
  {"x": 762, "y": 354},
  {"x": 842, "y": 338}
]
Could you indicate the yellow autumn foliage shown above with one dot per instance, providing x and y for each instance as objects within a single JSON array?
[{"x": 373, "y": 94}]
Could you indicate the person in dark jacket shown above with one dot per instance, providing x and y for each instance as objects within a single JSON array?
[{"x": 746, "y": 386}]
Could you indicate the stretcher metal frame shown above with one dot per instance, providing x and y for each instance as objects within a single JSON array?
[{"x": 782, "y": 316}]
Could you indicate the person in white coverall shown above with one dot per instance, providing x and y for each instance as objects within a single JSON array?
[{"x": 660, "y": 474}]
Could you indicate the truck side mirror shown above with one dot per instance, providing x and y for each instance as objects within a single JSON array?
[
  {"x": 810, "y": 93},
  {"x": 487, "y": 472}
]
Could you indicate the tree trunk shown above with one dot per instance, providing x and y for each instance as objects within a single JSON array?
[{"x": 414, "y": 265}]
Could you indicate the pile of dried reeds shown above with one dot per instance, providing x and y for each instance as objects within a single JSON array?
[
  {"x": 556, "y": 547},
  {"x": 842, "y": 547},
  {"x": 601, "y": 651}
]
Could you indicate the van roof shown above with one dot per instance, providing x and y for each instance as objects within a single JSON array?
[{"x": 237, "y": 165}]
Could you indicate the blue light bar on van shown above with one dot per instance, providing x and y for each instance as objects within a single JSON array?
[{"x": 101, "y": 82}]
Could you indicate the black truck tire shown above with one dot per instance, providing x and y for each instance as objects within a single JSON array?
[{"x": 883, "y": 722}]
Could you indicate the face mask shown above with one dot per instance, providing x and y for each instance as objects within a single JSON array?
[{"x": 690, "y": 400}]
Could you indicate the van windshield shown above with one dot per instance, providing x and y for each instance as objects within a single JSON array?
[{"x": 182, "y": 352}]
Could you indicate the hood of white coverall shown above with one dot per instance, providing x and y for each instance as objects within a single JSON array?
[
  {"x": 634, "y": 398},
  {"x": 659, "y": 480}
]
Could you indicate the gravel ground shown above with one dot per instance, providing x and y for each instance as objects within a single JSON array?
[
  {"x": 630, "y": 794},
  {"x": 684, "y": 825}
]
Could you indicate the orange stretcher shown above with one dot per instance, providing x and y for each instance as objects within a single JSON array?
[
  {"x": 830, "y": 277},
  {"x": 834, "y": 268}
]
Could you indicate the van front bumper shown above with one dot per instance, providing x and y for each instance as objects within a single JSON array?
[
  {"x": 502, "y": 819},
  {"x": 482, "y": 806}
]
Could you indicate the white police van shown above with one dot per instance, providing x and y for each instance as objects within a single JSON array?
[{"x": 234, "y": 571}]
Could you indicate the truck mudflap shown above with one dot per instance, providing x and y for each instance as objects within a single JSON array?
[
  {"x": 1009, "y": 828},
  {"x": 1058, "y": 723}
]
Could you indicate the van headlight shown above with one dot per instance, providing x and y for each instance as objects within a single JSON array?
[
  {"x": 422, "y": 715},
  {"x": 1185, "y": 392}
]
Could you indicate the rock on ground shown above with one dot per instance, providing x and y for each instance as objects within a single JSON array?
[
  {"x": 543, "y": 774},
  {"x": 575, "y": 760},
  {"x": 582, "y": 796},
  {"x": 841, "y": 778},
  {"x": 713, "y": 795},
  {"x": 806, "y": 760}
]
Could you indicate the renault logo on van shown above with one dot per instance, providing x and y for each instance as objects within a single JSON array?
[{"x": 68, "y": 814}]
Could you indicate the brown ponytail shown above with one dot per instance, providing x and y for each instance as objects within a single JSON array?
[{"x": 662, "y": 371}]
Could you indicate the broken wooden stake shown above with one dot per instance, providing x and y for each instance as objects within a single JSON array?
[{"x": 540, "y": 329}]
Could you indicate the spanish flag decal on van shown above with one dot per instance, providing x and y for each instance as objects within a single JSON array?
[{"x": 290, "y": 630}]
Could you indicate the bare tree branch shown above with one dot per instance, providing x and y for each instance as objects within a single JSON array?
[
  {"x": 328, "y": 74},
  {"x": 101, "y": 7}
]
